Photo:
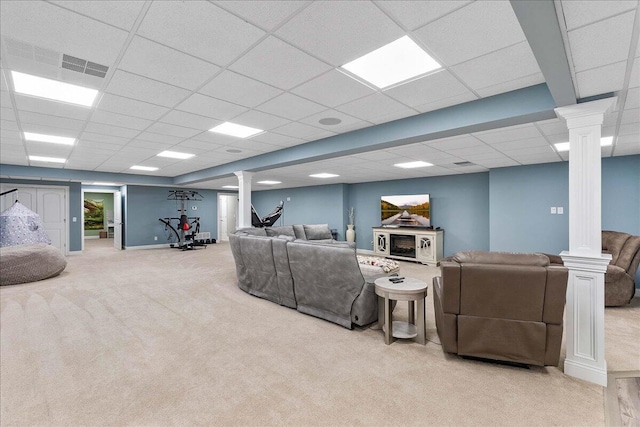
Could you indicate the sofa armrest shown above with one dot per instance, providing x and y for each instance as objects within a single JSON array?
[
  {"x": 450, "y": 287},
  {"x": 555, "y": 294}
]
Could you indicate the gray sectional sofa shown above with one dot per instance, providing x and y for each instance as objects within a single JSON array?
[{"x": 309, "y": 272}]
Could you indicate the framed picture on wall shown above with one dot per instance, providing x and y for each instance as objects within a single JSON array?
[{"x": 93, "y": 214}]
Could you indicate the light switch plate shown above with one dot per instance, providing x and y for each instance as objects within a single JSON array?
[
  {"x": 553, "y": 210},
  {"x": 560, "y": 210}
]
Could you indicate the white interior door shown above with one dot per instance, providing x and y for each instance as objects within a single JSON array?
[
  {"x": 232, "y": 213},
  {"x": 223, "y": 234},
  {"x": 51, "y": 206},
  {"x": 117, "y": 220}
]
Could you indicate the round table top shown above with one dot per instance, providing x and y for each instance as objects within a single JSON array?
[{"x": 408, "y": 285}]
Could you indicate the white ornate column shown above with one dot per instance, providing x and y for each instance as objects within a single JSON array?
[
  {"x": 244, "y": 198},
  {"x": 584, "y": 259}
]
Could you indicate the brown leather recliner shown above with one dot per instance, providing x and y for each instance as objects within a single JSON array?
[
  {"x": 501, "y": 306},
  {"x": 619, "y": 286}
]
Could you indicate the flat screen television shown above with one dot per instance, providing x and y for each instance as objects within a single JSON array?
[{"x": 405, "y": 211}]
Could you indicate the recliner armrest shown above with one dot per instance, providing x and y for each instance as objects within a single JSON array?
[{"x": 450, "y": 287}]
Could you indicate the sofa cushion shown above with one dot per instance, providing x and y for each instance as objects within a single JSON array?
[
  {"x": 251, "y": 232},
  {"x": 317, "y": 231},
  {"x": 503, "y": 258},
  {"x": 284, "y": 230},
  {"x": 299, "y": 230}
]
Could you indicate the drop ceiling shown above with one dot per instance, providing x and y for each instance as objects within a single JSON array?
[{"x": 177, "y": 69}]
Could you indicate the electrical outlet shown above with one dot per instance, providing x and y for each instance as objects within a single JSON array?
[
  {"x": 553, "y": 210},
  {"x": 560, "y": 210},
  {"x": 74, "y": 219},
  {"x": 155, "y": 237},
  {"x": 288, "y": 199}
]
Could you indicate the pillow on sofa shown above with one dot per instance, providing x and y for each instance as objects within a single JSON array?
[
  {"x": 299, "y": 230},
  {"x": 285, "y": 230},
  {"x": 286, "y": 237},
  {"x": 317, "y": 231}
]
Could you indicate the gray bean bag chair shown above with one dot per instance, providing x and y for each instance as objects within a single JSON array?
[{"x": 29, "y": 263}]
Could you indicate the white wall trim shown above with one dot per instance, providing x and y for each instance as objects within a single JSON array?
[
  {"x": 142, "y": 247},
  {"x": 586, "y": 372}
]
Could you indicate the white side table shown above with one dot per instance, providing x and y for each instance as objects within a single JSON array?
[{"x": 412, "y": 290}]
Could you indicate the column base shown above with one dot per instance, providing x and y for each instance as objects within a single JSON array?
[{"x": 587, "y": 373}]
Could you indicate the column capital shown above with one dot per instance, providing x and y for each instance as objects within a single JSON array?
[
  {"x": 596, "y": 264},
  {"x": 587, "y": 113}
]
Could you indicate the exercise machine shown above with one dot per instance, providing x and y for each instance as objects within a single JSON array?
[
  {"x": 185, "y": 229},
  {"x": 269, "y": 219}
]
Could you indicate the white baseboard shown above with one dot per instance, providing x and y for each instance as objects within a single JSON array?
[
  {"x": 75, "y": 253},
  {"x": 91, "y": 237},
  {"x": 141, "y": 247},
  {"x": 584, "y": 372}
]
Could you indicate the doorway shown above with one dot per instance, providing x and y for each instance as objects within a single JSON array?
[
  {"x": 109, "y": 226},
  {"x": 50, "y": 202},
  {"x": 227, "y": 215}
]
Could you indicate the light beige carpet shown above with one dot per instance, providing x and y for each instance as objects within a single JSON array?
[{"x": 165, "y": 337}]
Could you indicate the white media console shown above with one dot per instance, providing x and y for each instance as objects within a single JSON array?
[{"x": 409, "y": 244}]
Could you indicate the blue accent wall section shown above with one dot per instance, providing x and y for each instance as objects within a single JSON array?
[
  {"x": 322, "y": 204},
  {"x": 144, "y": 205},
  {"x": 459, "y": 206},
  {"x": 520, "y": 202},
  {"x": 75, "y": 206},
  {"x": 521, "y": 198}
]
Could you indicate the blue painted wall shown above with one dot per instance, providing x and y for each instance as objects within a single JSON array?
[
  {"x": 75, "y": 207},
  {"x": 322, "y": 204},
  {"x": 459, "y": 205},
  {"x": 520, "y": 198},
  {"x": 144, "y": 205}
]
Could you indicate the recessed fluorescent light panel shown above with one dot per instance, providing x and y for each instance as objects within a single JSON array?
[
  {"x": 47, "y": 159},
  {"x": 411, "y": 165},
  {"x": 269, "y": 182},
  {"x": 234, "y": 187},
  {"x": 391, "y": 64},
  {"x": 49, "y": 138},
  {"x": 143, "y": 168},
  {"x": 323, "y": 175},
  {"x": 564, "y": 146},
  {"x": 232, "y": 129},
  {"x": 175, "y": 155},
  {"x": 27, "y": 84}
]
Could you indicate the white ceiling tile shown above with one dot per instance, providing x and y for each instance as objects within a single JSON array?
[
  {"x": 27, "y": 118},
  {"x": 452, "y": 143},
  {"x": 102, "y": 141},
  {"x": 279, "y": 64},
  {"x": 347, "y": 123},
  {"x": 210, "y": 107},
  {"x": 144, "y": 89},
  {"x": 291, "y": 106},
  {"x": 634, "y": 79},
  {"x": 121, "y": 120},
  {"x": 40, "y": 24},
  {"x": 474, "y": 30},
  {"x": 494, "y": 68},
  {"x": 501, "y": 163},
  {"x": 510, "y": 85},
  {"x": 264, "y": 14},
  {"x": 579, "y": 13},
  {"x": 537, "y": 159},
  {"x": 122, "y": 14},
  {"x": 627, "y": 150},
  {"x": 7, "y": 114},
  {"x": 414, "y": 14},
  {"x": 157, "y": 137},
  {"x": 49, "y": 130},
  {"x": 394, "y": 115},
  {"x": 259, "y": 120},
  {"x": 522, "y": 144},
  {"x": 236, "y": 88},
  {"x": 631, "y": 128},
  {"x": 173, "y": 130},
  {"x": 9, "y": 125},
  {"x": 517, "y": 153},
  {"x": 5, "y": 99},
  {"x": 446, "y": 102},
  {"x": 151, "y": 145},
  {"x": 508, "y": 134},
  {"x": 111, "y": 130},
  {"x": 47, "y": 149},
  {"x": 372, "y": 107},
  {"x": 131, "y": 107},
  {"x": 609, "y": 78},
  {"x": 628, "y": 139},
  {"x": 200, "y": 29},
  {"x": 150, "y": 59},
  {"x": 339, "y": 32},
  {"x": 476, "y": 150},
  {"x": 633, "y": 98},
  {"x": 190, "y": 120},
  {"x": 43, "y": 106},
  {"x": 428, "y": 89},
  {"x": 558, "y": 137},
  {"x": 198, "y": 145},
  {"x": 332, "y": 89},
  {"x": 631, "y": 116},
  {"x": 550, "y": 127},
  {"x": 601, "y": 43},
  {"x": 299, "y": 130},
  {"x": 279, "y": 140}
]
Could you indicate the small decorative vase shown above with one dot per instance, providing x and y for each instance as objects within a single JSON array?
[{"x": 351, "y": 234}]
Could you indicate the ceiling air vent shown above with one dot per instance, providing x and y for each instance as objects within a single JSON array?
[
  {"x": 464, "y": 164},
  {"x": 83, "y": 66}
]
